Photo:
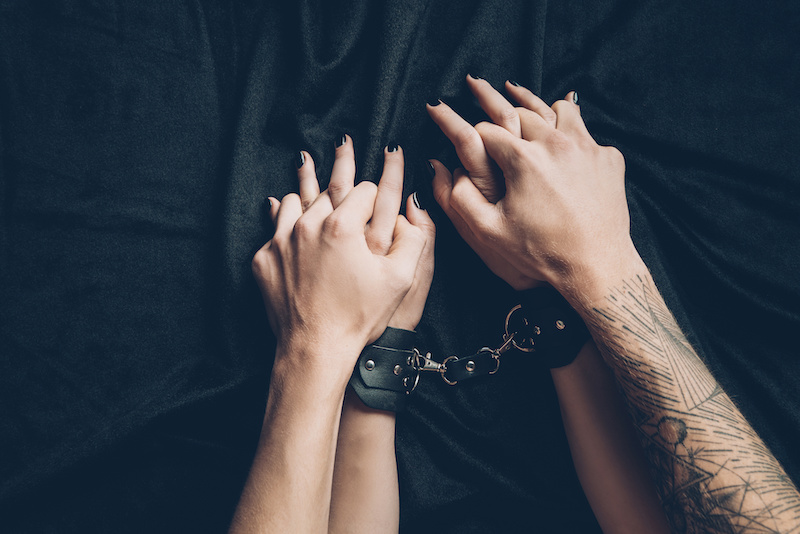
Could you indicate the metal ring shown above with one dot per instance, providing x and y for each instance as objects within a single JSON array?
[
  {"x": 497, "y": 360},
  {"x": 513, "y": 341},
  {"x": 444, "y": 370}
]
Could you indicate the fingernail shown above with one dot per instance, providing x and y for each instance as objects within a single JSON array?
[
  {"x": 269, "y": 203},
  {"x": 392, "y": 147},
  {"x": 415, "y": 200},
  {"x": 474, "y": 77},
  {"x": 575, "y": 97},
  {"x": 431, "y": 169},
  {"x": 515, "y": 84},
  {"x": 433, "y": 103},
  {"x": 300, "y": 160},
  {"x": 341, "y": 141}
]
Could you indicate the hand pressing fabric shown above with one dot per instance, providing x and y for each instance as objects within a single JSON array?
[
  {"x": 564, "y": 207},
  {"x": 340, "y": 266}
]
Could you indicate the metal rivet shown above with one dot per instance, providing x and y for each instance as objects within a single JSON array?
[
  {"x": 369, "y": 365},
  {"x": 470, "y": 366},
  {"x": 398, "y": 369},
  {"x": 537, "y": 330},
  {"x": 560, "y": 324}
]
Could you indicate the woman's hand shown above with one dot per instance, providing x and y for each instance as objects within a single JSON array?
[
  {"x": 323, "y": 284},
  {"x": 564, "y": 210},
  {"x": 381, "y": 228},
  {"x": 480, "y": 170}
]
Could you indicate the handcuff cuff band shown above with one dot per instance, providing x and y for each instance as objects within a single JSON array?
[{"x": 544, "y": 323}]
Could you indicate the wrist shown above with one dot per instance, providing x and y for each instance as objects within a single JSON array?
[
  {"x": 314, "y": 368},
  {"x": 587, "y": 285}
]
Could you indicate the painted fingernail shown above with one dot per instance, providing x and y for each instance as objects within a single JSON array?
[
  {"x": 341, "y": 141},
  {"x": 433, "y": 102},
  {"x": 574, "y": 97},
  {"x": 300, "y": 160},
  {"x": 269, "y": 203},
  {"x": 415, "y": 200},
  {"x": 514, "y": 83},
  {"x": 474, "y": 77},
  {"x": 392, "y": 147},
  {"x": 431, "y": 169}
]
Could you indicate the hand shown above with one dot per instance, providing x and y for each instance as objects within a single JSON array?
[
  {"x": 480, "y": 170},
  {"x": 564, "y": 211},
  {"x": 322, "y": 285},
  {"x": 380, "y": 229}
]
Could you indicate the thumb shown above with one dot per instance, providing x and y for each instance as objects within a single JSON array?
[{"x": 406, "y": 250}]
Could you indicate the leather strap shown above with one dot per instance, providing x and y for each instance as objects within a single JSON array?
[
  {"x": 481, "y": 363},
  {"x": 384, "y": 374},
  {"x": 557, "y": 331}
]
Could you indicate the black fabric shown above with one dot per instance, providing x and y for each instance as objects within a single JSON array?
[{"x": 140, "y": 140}]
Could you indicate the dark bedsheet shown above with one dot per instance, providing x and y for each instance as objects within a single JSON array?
[{"x": 140, "y": 140}]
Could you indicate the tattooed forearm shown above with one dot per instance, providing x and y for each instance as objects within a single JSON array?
[{"x": 713, "y": 472}]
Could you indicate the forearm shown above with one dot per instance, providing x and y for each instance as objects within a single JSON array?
[
  {"x": 711, "y": 469},
  {"x": 289, "y": 486},
  {"x": 604, "y": 447},
  {"x": 365, "y": 494}
]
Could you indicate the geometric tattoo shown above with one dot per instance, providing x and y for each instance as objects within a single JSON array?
[{"x": 713, "y": 473}]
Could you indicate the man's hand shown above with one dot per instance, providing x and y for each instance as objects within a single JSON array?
[
  {"x": 322, "y": 282},
  {"x": 564, "y": 210}
]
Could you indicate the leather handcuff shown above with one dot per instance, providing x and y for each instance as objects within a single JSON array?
[{"x": 543, "y": 324}]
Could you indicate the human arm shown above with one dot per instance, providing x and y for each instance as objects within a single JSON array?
[
  {"x": 564, "y": 220},
  {"x": 327, "y": 296},
  {"x": 365, "y": 494}
]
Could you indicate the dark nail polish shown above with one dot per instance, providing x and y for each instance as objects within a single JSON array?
[
  {"x": 514, "y": 83},
  {"x": 433, "y": 102},
  {"x": 575, "y": 97},
  {"x": 300, "y": 160},
  {"x": 341, "y": 141},
  {"x": 392, "y": 147},
  {"x": 415, "y": 200},
  {"x": 475, "y": 77},
  {"x": 431, "y": 169},
  {"x": 269, "y": 203}
]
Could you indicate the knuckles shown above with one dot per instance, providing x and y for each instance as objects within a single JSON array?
[
  {"x": 467, "y": 136},
  {"x": 509, "y": 116}
]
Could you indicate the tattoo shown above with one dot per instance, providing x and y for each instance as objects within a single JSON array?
[{"x": 713, "y": 472}]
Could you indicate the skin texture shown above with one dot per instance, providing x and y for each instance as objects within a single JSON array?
[
  {"x": 564, "y": 220},
  {"x": 340, "y": 266}
]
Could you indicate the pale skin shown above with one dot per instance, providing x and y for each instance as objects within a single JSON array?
[
  {"x": 562, "y": 218},
  {"x": 341, "y": 266}
]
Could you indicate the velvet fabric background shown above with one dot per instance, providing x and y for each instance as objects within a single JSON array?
[{"x": 141, "y": 139}]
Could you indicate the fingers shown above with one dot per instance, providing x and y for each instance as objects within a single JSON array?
[
  {"x": 527, "y": 99},
  {"x": 442, "y": 192},
  {"x": 355, "y": 210},
  {"x": 568, "y": 115},
  {"x": 477, "y": 212},
  {"x": 465, "y": 139},
  {"x": 307, "y": 179},
  {"x": 274, "y": 206},
  {"x": 501, "y": 146},
  {"x": 495, "y": 105},
  {"x": 407, "y": 248},
  {"x": 387, "y": 201},
  {"x": 344, "y": 171},
  {"x": 419, "y": 217},
  {"x": 289, "y": 210}
]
